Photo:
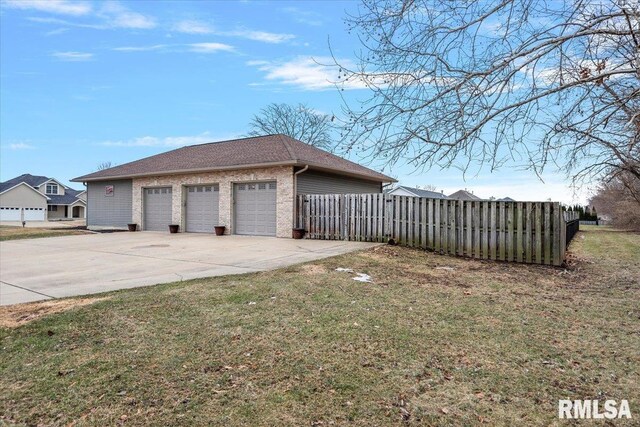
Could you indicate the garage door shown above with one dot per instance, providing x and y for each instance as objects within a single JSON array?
[
  {"x": 202, "y": 208},
  {"x": 157, "y": 209},
  {"x": 34, "y": 214},
  {"x": 10, "y": 214},
  {"x": 16, "y": 214},
  {"x": 255, "y": 208}
]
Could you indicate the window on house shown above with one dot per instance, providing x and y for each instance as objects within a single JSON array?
[
  {"x": 52, "y": 208},
  {"x": 52, "y": 189}
]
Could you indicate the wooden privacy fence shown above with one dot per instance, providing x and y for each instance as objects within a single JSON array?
[{"x": 530, "y": 232}]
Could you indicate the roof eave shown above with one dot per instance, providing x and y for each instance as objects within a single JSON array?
[{"x": 382, "y": 178}]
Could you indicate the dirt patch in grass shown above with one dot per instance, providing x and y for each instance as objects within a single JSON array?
[
  {"x": 12, "y": 316},
  {"x": 312, "y": 269}
]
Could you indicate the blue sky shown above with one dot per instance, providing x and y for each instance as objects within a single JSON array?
[{"x": 88, "y": 82}]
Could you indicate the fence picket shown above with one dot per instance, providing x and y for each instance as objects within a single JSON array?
[
  {"x": 547, "y": 233},
  {"x": 445, "y": 227},
  {"x": 538, "y": 231},
  {"x": 510, "y": 237},
  {"x": 519, "y": 243},
  {"x": 501, "y": 232}
]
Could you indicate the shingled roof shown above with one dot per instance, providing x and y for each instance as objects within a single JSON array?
[
  {"x": 418, "y": 192},
  {"x": 32, "y": 180},
  {"x": 260, "y": 151},
  {"x": 463, "y": 195}
]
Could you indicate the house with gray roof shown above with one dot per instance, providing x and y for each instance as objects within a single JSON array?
[
  {"x": 402, "y": 190},
  {"x": 247, "y": 185},
  {"x": 463, "y": 195},
  {"x": 39, "y": 198}
]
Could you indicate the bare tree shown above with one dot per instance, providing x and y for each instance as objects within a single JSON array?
[
  {"x": 429, "y": 187},
  {"x": 470, "y": 84},
  {"x": 104, "y": 165},
  {"x": 618, "y": 198},
  {"x": 299, "y": 122}
]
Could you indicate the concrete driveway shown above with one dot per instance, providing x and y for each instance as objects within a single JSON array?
[{"x": 39, "y": 269}]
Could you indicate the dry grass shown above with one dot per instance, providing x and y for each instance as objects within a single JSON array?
[
  {"x": 15, "y": 233},
  {"x": 12, "y": 316},
  {"x": 477, "y": 343}
]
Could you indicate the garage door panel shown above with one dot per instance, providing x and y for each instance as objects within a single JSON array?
[
  {"x": 157, "y": 208},
  {"x": 10, "y": 214},
  {"x": 202, "y": 208},
  {"x": 255, "y": 208}
]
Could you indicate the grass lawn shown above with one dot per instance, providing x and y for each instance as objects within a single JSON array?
[
  {"x": 13, "y": 233},
  {"x": 471, "y": 343}
]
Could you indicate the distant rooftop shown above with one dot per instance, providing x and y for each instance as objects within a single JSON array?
[
  {"x": 423, "y": 193},
  {"x": 463, "y": 195}
]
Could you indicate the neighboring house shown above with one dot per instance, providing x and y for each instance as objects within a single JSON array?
[
  {"x": 463, "y": 195},
  {"x": 248, "y": 185},
  {"x": 506, "y": 199},
  {"x": 402, "y": 190},
  {"x": 39, "y": 198}
]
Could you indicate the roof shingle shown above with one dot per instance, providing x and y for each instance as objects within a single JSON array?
[{"x": 270, "y": 150}]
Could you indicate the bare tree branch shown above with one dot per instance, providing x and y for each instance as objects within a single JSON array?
[
  {"x": 479, "y": 84},
  {"x": 299, "y": 122}
]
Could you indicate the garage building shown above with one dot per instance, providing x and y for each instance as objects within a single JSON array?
[{"x": 248, "y": 185}]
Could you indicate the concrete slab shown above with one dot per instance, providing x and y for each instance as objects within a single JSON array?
[{"x": 55, "y": 267}]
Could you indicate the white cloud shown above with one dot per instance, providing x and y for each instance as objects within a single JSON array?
[
  {"x": 21, "y": 146},
  {"x": 56, "y": 32},
  {"x": 73, "y": 56},
  {"x": 260, "y": 36},
  {"x": 169, "y": 141},
  {"x": 210, "y": 47},
  {"x": 118, "y": 16},
  {"x": 257, "y": 62},
  {"x": 307, "y": 73},
  {"x": 111, "y": 15},
  {"x": 141, "y": 48},
  {"x": 192, "y": 26},
  {"x": 62, "y": 7}
]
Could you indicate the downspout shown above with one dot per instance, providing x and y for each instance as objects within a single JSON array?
[{"x": 295, "y": 192}]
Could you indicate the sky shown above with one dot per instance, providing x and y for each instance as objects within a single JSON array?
[{"x": 82, "y": 83}]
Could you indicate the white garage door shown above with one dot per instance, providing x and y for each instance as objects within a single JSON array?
[
  {"x": 157, "y": 208},
  {"x": 15, "y": 214},
  {"x": 202, "y": 208},
  {"x": 255, "y": 208},
  {"x": 34, "y": 214},
  {"x": 10, "y": 214}
]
